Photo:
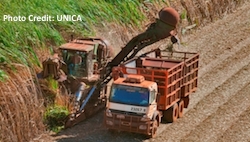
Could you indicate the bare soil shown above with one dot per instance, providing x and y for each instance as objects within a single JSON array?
[{"x": 219, "y": 110}]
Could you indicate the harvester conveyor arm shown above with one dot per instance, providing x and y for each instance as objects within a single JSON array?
[
  {"x": 88, "y": 97},
  {"x": 157, "y": 31}
]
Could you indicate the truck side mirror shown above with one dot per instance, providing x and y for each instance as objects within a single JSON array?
[{"x": 158, "y": 95}]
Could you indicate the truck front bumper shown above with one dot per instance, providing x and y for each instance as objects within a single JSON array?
[{"x": 129, "y": 123}]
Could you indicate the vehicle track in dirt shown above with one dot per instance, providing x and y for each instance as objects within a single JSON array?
[
  {"x": 219, "y": 110},
  {"x": 220, "y": 70},
  {"x": 226, "y": 114},
  {"x": 240, "y": 130}
]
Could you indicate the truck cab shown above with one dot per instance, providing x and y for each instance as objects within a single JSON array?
[
  {"x": 132, "y": 105},
  {"x": 151, "y": 89}
]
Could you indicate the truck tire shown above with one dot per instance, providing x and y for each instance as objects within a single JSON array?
[
  {"x": 171, "y": 114},
  {"x": 154, "y": 129},
  {"x": 186, "y": 101},
  {"x": 181, "y": 108}
]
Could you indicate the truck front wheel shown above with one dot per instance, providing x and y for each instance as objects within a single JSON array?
[{"x": 154, "y": 129}]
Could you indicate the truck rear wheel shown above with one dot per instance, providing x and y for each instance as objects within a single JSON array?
[
  {"x": 154, "y": 129},
  {"x": 171, "y": 114},
  {"x": 186, "y": 101},
  {"x": 181, "y": 108}
]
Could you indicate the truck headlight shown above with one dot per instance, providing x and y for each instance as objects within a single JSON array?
[
  {"x": 108, "y": 122},
  {"x": 120, "y": 116},
  {"x": 143, "y": 127},
  {"x": 108, "y": 113},
  {"x": 145, "y": 118}
]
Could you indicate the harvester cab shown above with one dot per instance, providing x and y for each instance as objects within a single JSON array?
[{"x": 83, "y": 58}]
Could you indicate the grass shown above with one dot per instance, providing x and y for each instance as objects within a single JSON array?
[
  {"x": 3, "y": 75},
  {"x": 21, "y": 108},
  {"x": 53, "y": 84},
  {"x": 183, "y": 15},
  {"x": 55, "y": 117},
  {"x": 18, "y": 39}
]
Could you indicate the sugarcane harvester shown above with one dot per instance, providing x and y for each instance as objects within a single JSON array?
[{"x": 95, "y": 99}]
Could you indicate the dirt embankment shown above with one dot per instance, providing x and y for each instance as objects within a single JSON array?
[{"x": 194, "y": 14}]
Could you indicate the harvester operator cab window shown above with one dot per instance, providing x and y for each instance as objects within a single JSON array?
[
  {"x": 76, "y": 62},
  {"x": 76, "y": 59},
  {"x": 65, "y": 56}
]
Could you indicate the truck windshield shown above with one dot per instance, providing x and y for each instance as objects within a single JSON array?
[{"x": 129, "y": 95}]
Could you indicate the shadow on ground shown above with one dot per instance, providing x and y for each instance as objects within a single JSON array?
[{"x": 93, "y": 130}]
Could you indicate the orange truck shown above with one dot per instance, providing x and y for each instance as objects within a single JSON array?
[{"x": 148, "y": 90}]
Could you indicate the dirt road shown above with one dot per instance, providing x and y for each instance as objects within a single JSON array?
[{"x": 220, "y": 109}]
